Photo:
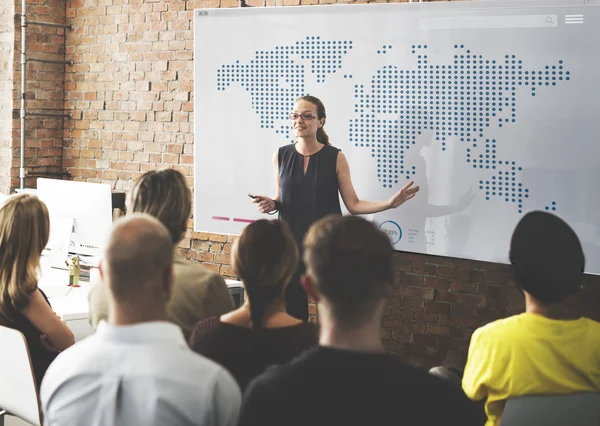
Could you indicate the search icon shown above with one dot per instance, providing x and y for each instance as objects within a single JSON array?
[{"x": 548, "y": 20}]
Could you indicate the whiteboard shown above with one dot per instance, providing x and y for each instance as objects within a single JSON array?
[{"x": 491, "y": 107}]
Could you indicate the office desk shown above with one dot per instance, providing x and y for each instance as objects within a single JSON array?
[{"x": 71, "y": 304}]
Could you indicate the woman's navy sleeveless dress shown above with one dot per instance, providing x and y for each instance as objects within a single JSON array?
[{"x": 304, "y": 199}]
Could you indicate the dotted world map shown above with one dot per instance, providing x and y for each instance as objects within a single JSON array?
[{"x": 457, "y": 102}]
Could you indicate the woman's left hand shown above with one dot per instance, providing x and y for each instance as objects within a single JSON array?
[{"x": 407, "y": 192}]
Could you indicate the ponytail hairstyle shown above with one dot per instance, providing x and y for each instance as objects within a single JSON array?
[
  {"x": 265, "y": 257},
  {"x": 322, "y": 136}
]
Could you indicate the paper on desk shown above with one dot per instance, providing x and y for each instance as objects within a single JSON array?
[{"x": 91, "y": 261}]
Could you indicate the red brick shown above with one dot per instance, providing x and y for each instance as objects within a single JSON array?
[
  {"x": 200, "y": 236},
  {"x": 399, "y": 336},
  {"x": 438, "y": 330},
  {"x": 390, "y": 323},
  {"x": 463, "y": 287},
  {"x": 497, "y": 276},
  {"x": 448, "y": 272},
  {"x": 205, "y": 257},
  {"x": 403, "y": 291},
  {"x": 414, "y": 349},
  {"x": 414, "y": 257},
  {"x": 448, "y": 320},
  {"x": 446, "y": 296},
  {"x": 200, "y": 245},
  {"x": 432, "y": 352},
  {"x": 492, "y": 291},
  {"x": 424, "y": 268},
  {"x": 222, "y": 259},
  {"x": 216, "y": 248},
  {"x": 470, "y": 300},
  {"x": 439, "y": 283},
  {"x": 433, "y": 306},
  {"x": 403, "y": 266},
  {"x": 464, "y": 311},
  {"x": 384, "y": 333},
  {"x": 514, "y": 299},
  {"x": 470, "y": 322},
  {"x": 414, "y": 304},
  {"x": 389, "y": 345},
  {"x": 426, "y": 317},
  {"x": 401, "y": 314},
  {"x": 212, "y": 267},
  {"x": 412, "y": 280},
  {"x": 422, "y": 293},
  {"x": 488, "y": 315},
  {"x": 425, "y": 339},
  {"x": 413, "y": 327},
  {"x": 218, "y": 238}
]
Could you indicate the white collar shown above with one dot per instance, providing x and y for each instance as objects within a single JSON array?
[{"x": 154, "y": 332}]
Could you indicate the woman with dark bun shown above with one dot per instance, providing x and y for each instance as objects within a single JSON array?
[{"x": 260, "y": 333}]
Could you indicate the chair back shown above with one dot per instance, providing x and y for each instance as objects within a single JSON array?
[
  {"x": 18, "y": 390},
  {"x": 580, "y": 409}
]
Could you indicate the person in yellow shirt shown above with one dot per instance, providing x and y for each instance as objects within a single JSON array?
[{"x": 548, "y": 349}]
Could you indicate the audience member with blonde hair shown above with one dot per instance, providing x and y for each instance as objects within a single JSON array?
[
  {"x": 260, "y": 333},
  {"x": 24, "y": 232},
  {"x": 197, "y": 292},
  {"x": 137, "y": 368},
  {"x": 349, "y": 379}
]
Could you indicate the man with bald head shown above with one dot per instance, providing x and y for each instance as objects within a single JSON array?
[{"x": 137, "y": 369}]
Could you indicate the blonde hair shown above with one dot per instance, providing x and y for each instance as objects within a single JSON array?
[
  {"x": 24, "y": 232},
  {"x": 166, "y": 196}
]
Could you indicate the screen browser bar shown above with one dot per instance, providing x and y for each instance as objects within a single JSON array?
[{"x": 477, "y": 22}]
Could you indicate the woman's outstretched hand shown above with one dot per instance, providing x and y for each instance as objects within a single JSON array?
[
  {"x": 407, "y": 192},
  {"x": 264, "y": 204}
]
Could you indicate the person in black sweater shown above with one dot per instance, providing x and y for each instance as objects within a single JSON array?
[
  {"x": 349, "y": 379},
  {"x": 260, "y": 333}
]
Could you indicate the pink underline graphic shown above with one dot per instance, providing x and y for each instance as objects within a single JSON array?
[
  {"x": 237, "y": 219},
  {"x": 220, "y": 218}
]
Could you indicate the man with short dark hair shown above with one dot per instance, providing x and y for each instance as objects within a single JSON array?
[
  {"x": 349, "y": 379},
  {"x": 137, "y": 369},
  {"x": 548, "y": 349}
]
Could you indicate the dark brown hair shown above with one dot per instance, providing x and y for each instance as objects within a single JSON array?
[
  {"x": 322, "y": 136},
  {"x": 350, "y": 260},
  {"x": 265, "y": 257}
]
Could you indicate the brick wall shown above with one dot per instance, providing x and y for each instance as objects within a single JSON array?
[
  {"x": 131, "y": 95},
  {"x": 7, "y": 11},
  {"x": 45, "y": 91},
  {"x": 44, "y": 88}
]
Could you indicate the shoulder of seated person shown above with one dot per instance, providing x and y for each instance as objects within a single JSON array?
[
  {"x": 292, "y": 370},
  {"x": 185, "y": 266},
  {"x": 498, "y": 326}
]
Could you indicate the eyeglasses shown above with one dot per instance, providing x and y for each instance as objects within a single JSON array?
[{"x": 305, "y": 117}]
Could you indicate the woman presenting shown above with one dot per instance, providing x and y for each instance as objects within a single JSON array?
[{"x": 309, "y": 174}]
